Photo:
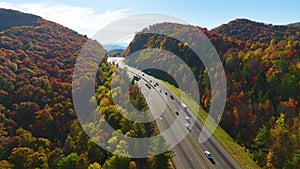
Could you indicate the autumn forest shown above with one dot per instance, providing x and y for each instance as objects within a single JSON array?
[{"x": 39, "y": 127}]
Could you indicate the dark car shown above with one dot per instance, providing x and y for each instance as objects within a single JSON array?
[
  {"x": 147, "y": 85},
  {"x": 172, "y": 97},
  {"x": 136, "y": 78}
]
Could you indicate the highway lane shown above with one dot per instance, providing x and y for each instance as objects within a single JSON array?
[
  {"x": 211, "y": 144},
  {"x": 189, "y": 152}
]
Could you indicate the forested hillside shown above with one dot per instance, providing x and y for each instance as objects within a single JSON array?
[
  {"x": 294, "y": 24},
  {"x": 11, "y": 18},
  {"x": 39, "y": 127},
  {"x": 244, "y": 29},
  {"x": 262, "y": 66},
  {"x": 38, "y": 124}
]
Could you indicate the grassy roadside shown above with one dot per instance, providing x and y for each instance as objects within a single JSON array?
[{"x": 233, "y": 148}]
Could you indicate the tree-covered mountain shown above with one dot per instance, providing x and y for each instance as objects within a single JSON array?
[
  {"x": 39, "y": 127},
  {"x": 244, "y": 29},
  {"x": 11, "y": 18},
  {"x": 294, "y": 24},
  {"x": 37, "y": 59},
  {"x": 262, "y": 67},
  {"x": 38, "y": 124}
]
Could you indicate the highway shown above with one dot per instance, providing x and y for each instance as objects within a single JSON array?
[{"x": 189, "y": 152}]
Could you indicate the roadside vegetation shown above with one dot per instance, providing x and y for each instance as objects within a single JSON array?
[
  {"x": 239, "y": 153},
  {"x": 262, "y": 69},
  {"x": 39, "y": 127}
]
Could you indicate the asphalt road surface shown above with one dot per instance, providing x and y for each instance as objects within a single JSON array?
[{"x": 189, "y": 152}]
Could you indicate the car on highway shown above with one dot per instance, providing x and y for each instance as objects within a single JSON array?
[
  {"x": 147, "y": 85},
  {"x": 187, "y": 119},
  {"x": 209, "y": 156},
  {"x": 156, "y": 84},
  {"x": 176, "y": 112},
  {"x": 136, "y": 78},
  {"x": 187, "y": 127},
  {"x": 172, "y": 97},
  {"x": 184, "y": 106},
  {"x": 166, "y": 93}
]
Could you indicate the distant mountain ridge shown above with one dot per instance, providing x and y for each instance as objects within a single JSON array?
[
  {"x": 11, "y": 18},
  {"x": 245, "y": 29},
  {"x": 294, "y": 24},
  {"x": 121, "y": 46}
]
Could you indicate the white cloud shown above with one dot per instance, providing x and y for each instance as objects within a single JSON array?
[
  {"x": 95, "y": 24},
  {"x": 82, "y": 19},
  {"x": 124, "y": 29}
]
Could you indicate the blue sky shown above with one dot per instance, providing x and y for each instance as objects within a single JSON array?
[{"x": 88, "y": 16}]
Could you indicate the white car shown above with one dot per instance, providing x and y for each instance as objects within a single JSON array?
[
  {"x": 209, "y": 156},
  {"x": 187, "y": 127},
  {"x": 184, "y": 106},
  {"x": 207, "y": 153}
]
